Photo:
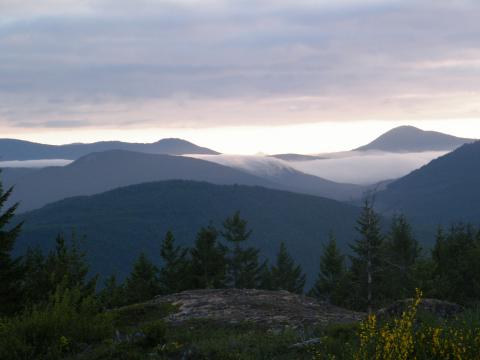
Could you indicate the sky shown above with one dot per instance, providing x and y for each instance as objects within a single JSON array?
[{"x": 243, "y": 76}]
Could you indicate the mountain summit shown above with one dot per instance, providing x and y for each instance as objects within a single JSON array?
[{"x": 412, "y": 139}]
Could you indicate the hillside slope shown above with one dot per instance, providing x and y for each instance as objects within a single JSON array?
[
  {"x": 119, "y": 224},
  {"x": 444, "y": 191},
  {"x": 99, "y": 172}
]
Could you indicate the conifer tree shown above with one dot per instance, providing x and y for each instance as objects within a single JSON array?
[
  {"x": 286, "y": 275},
  {"x": 243, "y": 263},
  {"x": 208, "y": 263},
  {"x": 66, "y": 266},
  {"x": 366, "y": 268},
  {"x": 402, "y": 253},
  {"x": 457, "y": 268},
  {"x": 11, "y": 272},
  {"x": 174, "y": 274},
  {"x": 142, "y": 283},
  {"x": 113, "y": 294},
  {"x": 266, "y": 281},
  {"x": 331, "y": 284}
]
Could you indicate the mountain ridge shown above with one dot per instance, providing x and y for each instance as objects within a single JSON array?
[{"x": 14, "y": 149}]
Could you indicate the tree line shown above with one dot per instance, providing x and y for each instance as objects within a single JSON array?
[{"x": 380, "y": 268}]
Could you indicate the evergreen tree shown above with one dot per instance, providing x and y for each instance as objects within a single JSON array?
[
  {"x": 331, "y": 284},
  {"x": 142, "y": 283},
  {"x": 366, "y": 263},
  {"x": 113, "y": 294},
  {"x": 401, "y": 254},
  {"x": 208, "y": 263},
  {"x": 457, "y": 268},
  {"x": 37, "y": 285},
  {"x": 66, "y": 266},
  {"x": 266, "y": 281},
  {"x": 11, "y": 272},
  {"x": 174, "y": 274},
  {"x": 243, "y": 264},
  {"x": 286, "y": 275}
]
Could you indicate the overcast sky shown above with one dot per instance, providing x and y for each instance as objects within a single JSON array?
[{"x": 229, "y": 73}]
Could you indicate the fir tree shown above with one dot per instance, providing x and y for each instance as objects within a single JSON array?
[
  {"x": 367, "y": 262},
  {"x": 208, "y": 263},
  {"x": 402, "y": 253},
  {"x": 266, "y": 281},
  {"x": 286, "y": 275},
  {"x": 174, "y": 274},
  {"x": 66, "y": 266},
  {"x": 243, "y": 264},
  {"x": 113, "y": 294},
  {"x": 11, "y": 272},
  {"x": 142, "y": 283},
  {"x": 331, "y": 282}
]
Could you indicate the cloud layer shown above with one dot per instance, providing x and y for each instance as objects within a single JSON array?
[{"x": 216, "y": 63}]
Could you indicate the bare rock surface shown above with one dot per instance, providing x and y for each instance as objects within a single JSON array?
[{"x": 269, "y": 308}]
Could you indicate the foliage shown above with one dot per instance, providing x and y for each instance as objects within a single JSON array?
[
  {"x": 243, "y": 270},
  {"x": 208, "y": 264},
  {"x": 457, "y": 269},
  {"x": 286, "y": 275},
  {"x": 366, "y": 269},
  {"x": 11, "y": 272},
  {"x": 409, "y": 338},
  {"x": 113, "y": 294},
  {"x": 142, "y": 284},
  {"x": 401, "y": 255},
  {"x": 50, "y": 331},
  {"x": 332, "y": 283},
  {"x": 174, "y": 274}
]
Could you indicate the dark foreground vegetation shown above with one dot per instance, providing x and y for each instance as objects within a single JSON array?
[{"x": 50, "y": 307}]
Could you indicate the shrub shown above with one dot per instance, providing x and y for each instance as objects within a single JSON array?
[{"x": 64, "y": 325}]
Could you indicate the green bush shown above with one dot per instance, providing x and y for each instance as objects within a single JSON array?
[{"x": 66, "y": 324}]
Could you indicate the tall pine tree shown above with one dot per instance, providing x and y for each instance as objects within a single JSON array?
[
  {"x": 243, "y": 264},
  {"x": 401, "y": 254},
  {"x": 331, "y": 284},
  {"x": 174, "y": 273},
  {"x": 285, "y": 274},
  {"x": 11, "y": 272},
  {"x": 208, "y": 263},
  {"x": 142, "y": 283},
  {"x": 367, "y": 264}
]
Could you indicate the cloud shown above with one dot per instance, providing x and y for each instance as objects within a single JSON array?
[{"x": 215, "y": 63}]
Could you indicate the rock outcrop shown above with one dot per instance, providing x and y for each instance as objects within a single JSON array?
[{"x": 269, "y": 308}]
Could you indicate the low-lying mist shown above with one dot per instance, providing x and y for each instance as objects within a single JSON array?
[{"x": 362, "y": 168}]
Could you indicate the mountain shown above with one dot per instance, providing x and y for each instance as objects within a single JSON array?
[
  {"x": 121, "y": 223},
  {"x": 412, "y": 139},
  {"x": 12, "y": 149},
  {"x": 103, "y": 171},
  {"x": 289, "y": 178},
  {"x": 444, "y": 191}
]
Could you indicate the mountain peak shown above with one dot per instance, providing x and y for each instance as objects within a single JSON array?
[{"x": 411, "y": 139}]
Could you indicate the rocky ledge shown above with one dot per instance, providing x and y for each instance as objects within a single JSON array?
[{"x": 269, "y": 308}]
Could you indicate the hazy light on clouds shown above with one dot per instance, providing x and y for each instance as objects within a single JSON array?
[{"x": 191, "y": 64}]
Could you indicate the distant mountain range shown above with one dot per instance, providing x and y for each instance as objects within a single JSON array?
[
  {"x": 99, "y": 172},
  {"x": 12, "y": 149},
  {"x": 121, "y": 223},
  {"x": 444, "y": 191},
  {"x": 412, "y": 139}
]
